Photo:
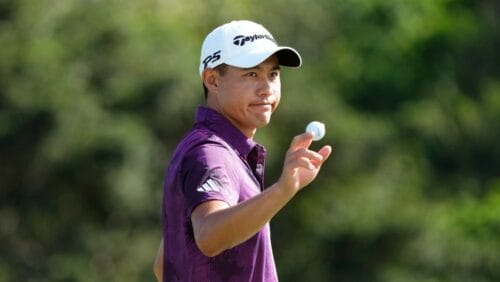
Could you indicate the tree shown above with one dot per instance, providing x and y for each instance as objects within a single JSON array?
[{"x": 94, "y": 95}]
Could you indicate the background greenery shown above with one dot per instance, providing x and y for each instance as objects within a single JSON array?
[{"x": 94, "y": 95}]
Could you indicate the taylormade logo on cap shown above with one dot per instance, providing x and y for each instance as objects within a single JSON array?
[
  {"x": 243, "y": 44},
  {"x": 241, "y": 39}
]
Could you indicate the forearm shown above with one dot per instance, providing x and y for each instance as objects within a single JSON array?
[{"x": 225, "y": 228}]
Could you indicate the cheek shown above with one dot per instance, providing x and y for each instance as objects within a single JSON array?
[
  {"x": 228, "y": 96},
  {"x": 278, "y": 99},
  {"x": 277, "y": 95}
]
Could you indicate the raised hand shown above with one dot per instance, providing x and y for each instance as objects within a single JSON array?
[{"x": 301, "y": 164}]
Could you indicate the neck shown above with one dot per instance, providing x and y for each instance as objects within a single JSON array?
[{"x": 248, "y": 133}]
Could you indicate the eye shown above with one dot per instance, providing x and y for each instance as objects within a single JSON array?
[
  {"x": 275, "y": 74},
  {"x": 252, "y": 74}
]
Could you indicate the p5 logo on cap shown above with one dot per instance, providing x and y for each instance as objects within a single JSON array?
[{"x": 211, "y": 59}]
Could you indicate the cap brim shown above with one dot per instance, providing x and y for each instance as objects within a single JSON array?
[{"x": 287, "y": 56}]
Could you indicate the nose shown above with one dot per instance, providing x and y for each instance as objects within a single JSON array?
[{"x": 266, "y": 87}]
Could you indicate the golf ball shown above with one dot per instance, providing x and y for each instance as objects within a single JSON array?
[{"x": 317, "y": 128}]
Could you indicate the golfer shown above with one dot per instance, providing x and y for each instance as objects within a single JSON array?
[{"x": 216, "y": 210}]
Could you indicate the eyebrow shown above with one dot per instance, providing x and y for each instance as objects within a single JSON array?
[{"x": 276, "y": 67}]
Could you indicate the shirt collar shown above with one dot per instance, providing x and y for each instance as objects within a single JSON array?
[{"x": 225, "y": 129}]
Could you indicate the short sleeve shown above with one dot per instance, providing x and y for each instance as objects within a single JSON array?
[{"x": 208, "y": 174}]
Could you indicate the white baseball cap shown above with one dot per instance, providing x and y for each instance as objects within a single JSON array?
[{"x": 243, "y": 44}]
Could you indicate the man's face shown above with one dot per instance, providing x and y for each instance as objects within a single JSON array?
[{"x": 247, "y": 97}]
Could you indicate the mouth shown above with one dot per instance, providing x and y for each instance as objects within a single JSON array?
[{"x": 264, "y": 106}]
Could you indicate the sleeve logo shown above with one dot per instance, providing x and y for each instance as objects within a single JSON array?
[{"x": 209, "y": 186}]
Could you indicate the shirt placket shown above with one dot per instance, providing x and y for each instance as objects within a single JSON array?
[{"x": 255, "y": 160}]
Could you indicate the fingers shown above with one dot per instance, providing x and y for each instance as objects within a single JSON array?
[
  {"x": 301, "y": 156},
  {"x": 303, "y": 140},
  {"x": 324, "y": 152},
  {"x": 305, "y": 158},
  {"x": 301, "y": 164}
]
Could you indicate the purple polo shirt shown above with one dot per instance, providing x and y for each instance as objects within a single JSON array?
[{"x": 213, "y": 161}]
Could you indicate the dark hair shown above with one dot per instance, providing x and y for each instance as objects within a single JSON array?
[{"x": 221, "y": 69}]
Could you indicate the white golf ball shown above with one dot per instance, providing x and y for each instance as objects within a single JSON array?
[{"x": 317, "y": 128}]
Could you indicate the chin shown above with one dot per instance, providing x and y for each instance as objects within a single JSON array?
[{"x": 264, "y": 122}]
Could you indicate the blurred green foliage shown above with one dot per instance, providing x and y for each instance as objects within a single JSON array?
[{"x": 94, "y": 95}]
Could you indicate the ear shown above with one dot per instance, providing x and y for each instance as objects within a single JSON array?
[{"x": 210, "y": 77}]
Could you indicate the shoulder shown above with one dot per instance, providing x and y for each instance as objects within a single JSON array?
[
  {"x": 212, "y": 149},
  {"x": 201, "y": 144},
  {"x": 201, "y": 138}
]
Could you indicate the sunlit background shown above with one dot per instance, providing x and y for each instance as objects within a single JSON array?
[{"x": 94, "y": 96}]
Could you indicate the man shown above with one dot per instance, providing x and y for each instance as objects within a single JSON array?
[{"x": 216, "y": 211}]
